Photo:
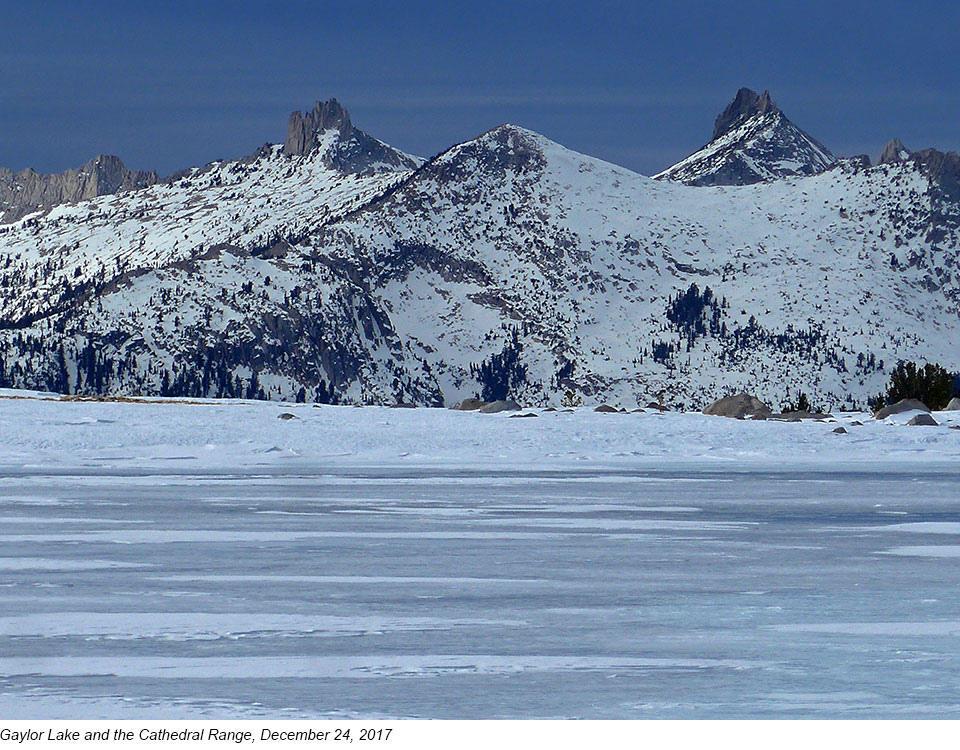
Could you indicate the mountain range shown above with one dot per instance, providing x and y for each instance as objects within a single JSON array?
[{"x": 335, "y": 268}]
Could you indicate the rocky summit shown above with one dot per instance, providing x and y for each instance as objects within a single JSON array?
[
  {"x": 27, "y": 192},
  {"x": 335, "y": 268},
  {"x": 753, "y": 141}
]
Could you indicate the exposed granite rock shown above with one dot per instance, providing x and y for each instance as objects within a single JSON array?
[
  {"x": 907, "y": 404},
  {"x": 860, "y": 161},
  {"x": 469, "y": 404},
  {"x": 739, "y": 406},
  {"x": 943, "y": 167},
  {"x": 303, "y": 127},
  {"x": 893, "y": 152},
  {"x": 351, "y": 152},
  {"x": 22, "y": 193},
  {"x": 495, "y": 407},
  {"x": 745, "y": 104},
  {"x": 753, "y": 141}
]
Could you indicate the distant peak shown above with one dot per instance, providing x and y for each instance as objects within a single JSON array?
[
  {"x": 328, "y": 115},
  {"x": 745, "y": 105},
  {"x": 894, "y": 152},
  {"x": 753, "y": 141}
]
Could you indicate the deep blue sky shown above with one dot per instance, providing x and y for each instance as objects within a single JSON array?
[{"x": 169, "y": 84}]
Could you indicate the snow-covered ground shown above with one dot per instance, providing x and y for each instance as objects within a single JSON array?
[{"x": 210, "y": 559}]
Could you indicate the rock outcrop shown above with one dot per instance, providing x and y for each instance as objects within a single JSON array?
[
  {"x": 25, "y": 192},
  {"x": 753, "y": 141},
  {"x": 894, "y": 152},
  {"x": 745, "y": 104},
  {"x": 740, "y": 406},
  {"x": 907, "y": 404},
  {"x": 495, "y": 407},
  {"x": 469, "y": 404},
  {"x": 350, "y": 150},
  {"x": 943, "y": 167}
]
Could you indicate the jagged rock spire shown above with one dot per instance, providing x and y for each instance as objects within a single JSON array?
[
  {"x": 328, "y": 115},
  {"x": 894, "y": 152},
  {"x": 745, "y": 105},
  {"x": 753, "y": 141}
]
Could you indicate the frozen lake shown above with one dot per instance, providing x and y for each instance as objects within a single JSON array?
[{"x": 512, "y": 588}]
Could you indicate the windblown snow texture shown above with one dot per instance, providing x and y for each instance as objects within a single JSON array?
[{"x": 209, "y": 560}]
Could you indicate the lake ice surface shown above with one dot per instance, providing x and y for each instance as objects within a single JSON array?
[{"x": 192, "y": 561}]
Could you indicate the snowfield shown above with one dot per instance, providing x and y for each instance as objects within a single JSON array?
[{"x": 208, "y": 559}]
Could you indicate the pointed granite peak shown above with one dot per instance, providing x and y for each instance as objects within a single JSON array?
[
  {"x": 894, "y": 152},
  {"x": 746, "y": 104},
  {"x": 303, "y": 126},
  {"x": 753, "y": 141},
  {"x": 351, "y": 151}
]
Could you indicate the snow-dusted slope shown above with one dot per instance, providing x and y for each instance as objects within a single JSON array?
[
  {"x": 753, "y": 141},
  {"x": 28, "y": 192},
  {"x": 505, "y": 265},
  {"x": 247, "y": 204},
  {"x": 514, "y": 232}
]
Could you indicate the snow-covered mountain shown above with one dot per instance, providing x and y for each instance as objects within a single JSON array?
[
  {"x": 335, "y": 268},
  {"x": 753, "y": 141}
]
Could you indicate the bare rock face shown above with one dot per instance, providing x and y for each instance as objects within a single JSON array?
[
  {"x": 495, "y": 407},
  {"x": 943, "y": 167},
  {"x": 351, "y": 151},
  {"x": 740, "y": 406},
  {"x": 907, "y": 404},
  {"x": 745, "y": 104},
  {"x": 799, "y": 416},
  {"x": 25, "y": 192},
  {"x": 328, "y": 115},
  {"x": 923, "y": 420},
  {"x": 894, "y": 152},
  {"x": 469, "y": 404},
  {"x": 753, "y": 141}
]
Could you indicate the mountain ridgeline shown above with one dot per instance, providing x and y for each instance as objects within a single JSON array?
[{"x": 335, "y": 268}]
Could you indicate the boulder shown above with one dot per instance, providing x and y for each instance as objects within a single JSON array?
[
  {"x": 655, "y": 405},
  {"x": 953, "y": 404},
  {"x": 287, "y": 415},
  {"x": 907, "y": 404},
  {"x": 522, "y": 416},
  {"x": 840, "y": 431},
  {"x": 606, "y": 409},
  {"x": 799, "y": 416},
  {"x": 469, "y": 404},
  {"x": 740, "y": 406},
  {"x": 922, "y": 420},
  {"x": 498, "y": 406}
]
